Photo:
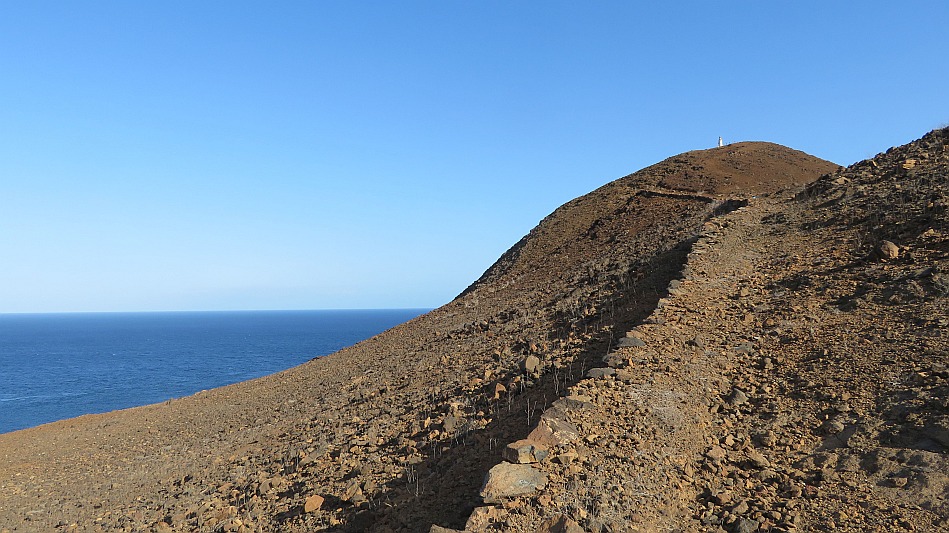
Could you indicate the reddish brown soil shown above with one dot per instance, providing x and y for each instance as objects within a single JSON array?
[{"x": 790, "y": 378}]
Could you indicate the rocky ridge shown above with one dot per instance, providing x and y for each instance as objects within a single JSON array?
[{"x": 704, "y": 345}]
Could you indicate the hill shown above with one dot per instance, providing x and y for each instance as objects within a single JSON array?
[{"x": 703, "y": 345}]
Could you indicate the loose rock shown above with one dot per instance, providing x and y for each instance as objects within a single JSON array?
[
  {"x": 313, "y": 503},
  {"x": 525, "y": 451},
  {"x": 508, "y": 480}
]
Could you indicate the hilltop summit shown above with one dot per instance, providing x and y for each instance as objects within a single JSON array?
[
  {"x": 745, "y": 338},
  {"x": 626, "y": 212}
]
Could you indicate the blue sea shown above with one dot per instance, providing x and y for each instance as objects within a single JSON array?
[{"x": 56, "y": 366}]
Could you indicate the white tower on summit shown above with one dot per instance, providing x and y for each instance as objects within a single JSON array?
[{"x": 720, "y": 143}]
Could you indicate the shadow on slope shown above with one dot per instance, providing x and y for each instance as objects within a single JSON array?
[{"x": 577, "y": 282}]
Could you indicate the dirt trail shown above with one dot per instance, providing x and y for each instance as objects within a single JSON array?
[
  {"x": 758, "y": 396},
  {"x": 667, "y": 359},
  {"x": 649, "y": 427}
]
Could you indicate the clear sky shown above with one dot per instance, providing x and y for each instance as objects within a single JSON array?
[{"x": 335, "y": 154}]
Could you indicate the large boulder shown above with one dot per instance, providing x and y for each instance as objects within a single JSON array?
[{"x": 508, "y": 480}]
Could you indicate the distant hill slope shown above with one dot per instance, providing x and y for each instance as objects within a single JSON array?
[
  {"x": 624, "y": 215},
  {"x": 758, "y": 364}
]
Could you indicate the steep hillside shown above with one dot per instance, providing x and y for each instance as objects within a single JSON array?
[
  {"x": 688, "y": 348},
  {"x": 626, "y": 216},
  {"x": 794, "y": 379}
]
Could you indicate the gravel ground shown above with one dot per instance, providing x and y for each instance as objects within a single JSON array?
[{"x": 704, "y": 345}]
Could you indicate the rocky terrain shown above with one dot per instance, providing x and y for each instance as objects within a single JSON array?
[{"x": 740, "y": 339}]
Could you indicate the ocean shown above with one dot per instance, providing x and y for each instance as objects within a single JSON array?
[{"x": 56, "y": 366}]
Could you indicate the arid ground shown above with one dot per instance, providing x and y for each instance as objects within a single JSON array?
[{"x": 746, "y": 338}]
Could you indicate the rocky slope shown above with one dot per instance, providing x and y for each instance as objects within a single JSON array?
[{"x": 703, "y": 345}]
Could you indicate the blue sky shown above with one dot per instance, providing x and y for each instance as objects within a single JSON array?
[{"x": 301, "y": 155}]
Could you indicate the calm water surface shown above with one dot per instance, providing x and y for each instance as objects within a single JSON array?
[{"x": 55, "y": 366}]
